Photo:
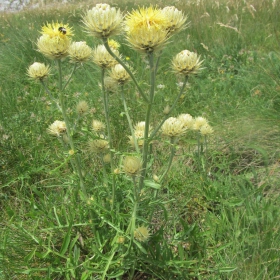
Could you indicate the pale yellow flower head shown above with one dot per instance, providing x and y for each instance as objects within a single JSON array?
[
  {"x": 57, "y": 128},
  {"x": 132, "y": 165},
  {"x": 82, "y": 107},
  {"x": 173, "y": 127},
  {"x": 107, "y": 158},
  {"x": 176, "y": 19},
  {"x": 98, "y": 146},
  {"x": 79, "y": 52},
  {"x": 139, "y": 133},
  {"x": 140, "y": 126},
  {"x": 98, "y": 126},
  {"x": 110, "y": 84},
  {"x": 38, "y": 71},
  {"x": 206, "y": 129},
  {"x": 199, "y": 122},
  {"x": 53, "y": 47},
  {"x": 139, "y": 137},
  {"x": 102, "y": 58},
  {"x": 55, "y": 40},
  {"x": 146, "y": 29},
  {"x": 119, "y": 74},
  {"x": 186, "y": 63},
  {"x": 166, "y": 110},
  {"x": 103, "y": 21},
  {"x": 187, "y": 120},
  {"x": 142, "y": 233}
]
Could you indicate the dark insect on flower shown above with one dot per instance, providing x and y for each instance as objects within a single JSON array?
[{"x": 62, "y": 30}]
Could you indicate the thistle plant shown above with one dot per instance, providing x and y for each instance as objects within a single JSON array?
[{"x": 119, "y": 239}]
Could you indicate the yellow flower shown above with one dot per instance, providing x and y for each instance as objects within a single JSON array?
[
  {"x": 110, "y": 84},
  {"x": 121, "y": 239},
  {"x": 139, "y": 137},
  {"x": 132, "y": 165},
  {"x": 145, "y": 17},
  {"x": 173, "y": 127},
  {"x": 82, "y": 107},
  {"x": 206, "y": 129},
  {"x": 142, "y": 233},
  {"x": 38, "y": 71},
  {"x": 187, "y": 120},
  {"x": 53, "y": 47},
  {"x": 103, "y": 21},
  {"x": 199, "y": 122},
  {"x": 146, "y": 29},
  {"x": 102, "y": 58},
  {"x": 55, "y": 40},
  {"x": 186, "y": 63},
  {"x": 119, "y": 74},
  {"x": 79, "y": 52},
  {"x": 98, "y": 146},
  {"x": 57, "y": 128},
  {"x": 166, "y": 110},
  {"x": 176, "y": 20},
  {"x": 139, "y": 133},
  {"x": 98, "y": 126},
  {"x": 107, "y": 158},
  {"x": 57, "y": 30},
  {"x": 113, "y": 44}
]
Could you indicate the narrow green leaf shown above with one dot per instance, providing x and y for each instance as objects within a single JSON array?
[
  {"x": 152, "y": 184},
  {"x": 142, "y": 249},
  {"x": 85, "y": 275},
  {"x": 66, "y": 241},
  {"x": 115, "y": 275},
  {"x": 29, "y": 256},
  {"x": 227, "y": 269}
]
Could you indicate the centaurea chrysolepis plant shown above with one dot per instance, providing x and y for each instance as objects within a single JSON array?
[{"x": 118, "y": 210}]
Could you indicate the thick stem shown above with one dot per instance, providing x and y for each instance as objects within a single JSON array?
[
  {"x": 173, "y": 149},
  {"x": 50, "y": 95},
  {"x": 129, "y": 122},
  {"x": 109, "y": 262},
  {"x": 105, "y": 176},
  {"x": 105, "y": 41},
  {"x": 71, "y": 75},
  {"x": 145, "y": 151},
  {"x": 107, "y": 118}
]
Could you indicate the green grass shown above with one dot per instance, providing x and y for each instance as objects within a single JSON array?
[{"x": 222, "y": 224}]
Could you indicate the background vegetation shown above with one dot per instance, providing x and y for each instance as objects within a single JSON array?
[{"x": 230, "y": 216}]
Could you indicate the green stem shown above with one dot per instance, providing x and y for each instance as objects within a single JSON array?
[
  {"x": 68, "y": 130},
  {"x": 107, "y": 118},
  {"x": 171, "y": 109},
  {"x": 198, "y": 144},
  {"x": 157, "y": 63},
  {"x": 70, "y": 77},
  {"x": 145, "y": 151},
  {"x": 105, "y": 42},
  {"x": 50, "y": 95},
  {"x": 206, "y": 155},
  {"x": 109, "y": 262},
  {"x": 173, "y": 149},
  {"x": 105, "y": 176},
  {"x": 129, "y": 121},
  {"x": 59, "y": 75}
]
